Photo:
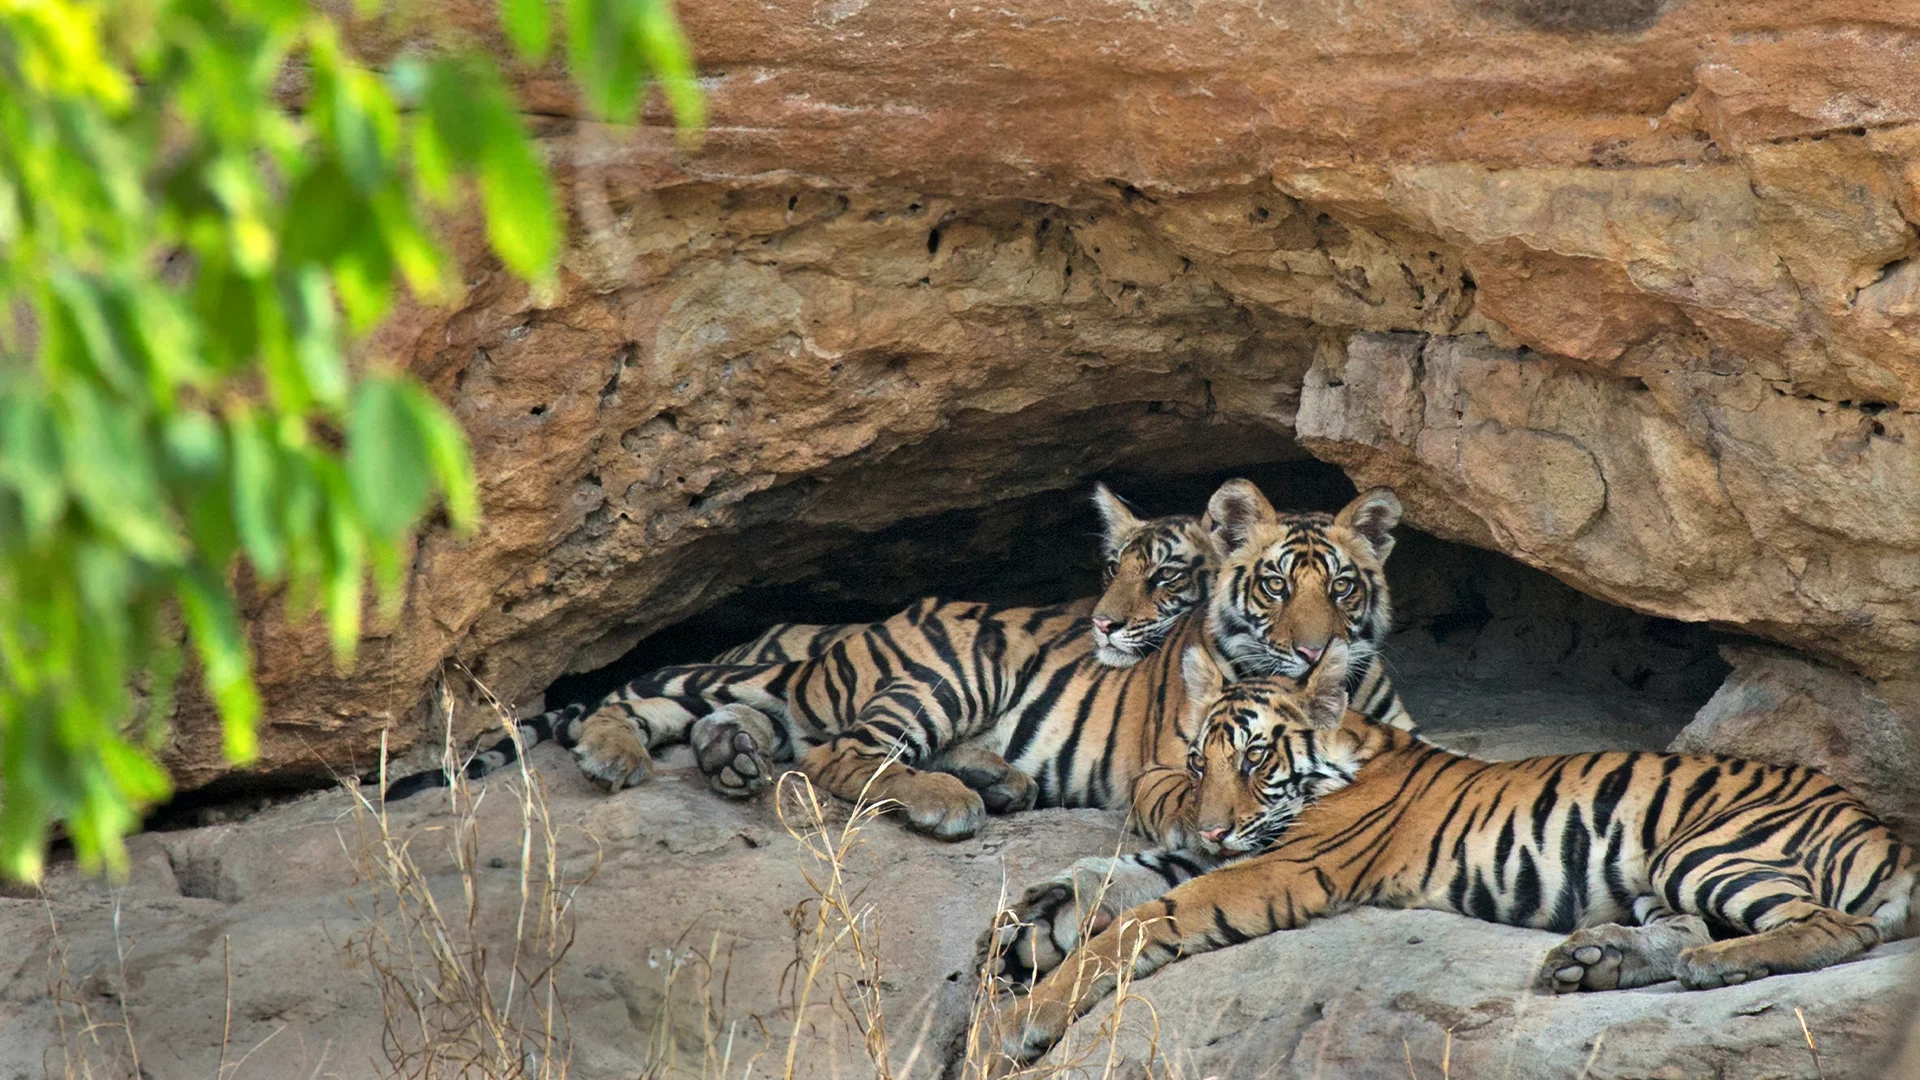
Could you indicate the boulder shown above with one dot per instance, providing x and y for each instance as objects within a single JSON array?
[{"x": 1384, "y": 995}]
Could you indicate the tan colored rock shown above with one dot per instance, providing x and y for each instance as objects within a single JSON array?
[
  {"x": 250, "y": 934},
  {"x": 1785, "y": 709},
  {"x": 1704, "y": 497},
  {"x": 929, "y": 257}
]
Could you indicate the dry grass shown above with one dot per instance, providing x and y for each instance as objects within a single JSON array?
[
  {"x": 836, "y": 993},
  {"x": 451, "y": 1007},
  {"x": 91, "y": 1047}
]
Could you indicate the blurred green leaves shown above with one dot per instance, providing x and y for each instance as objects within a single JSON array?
[{"x": 185, "y": 259}]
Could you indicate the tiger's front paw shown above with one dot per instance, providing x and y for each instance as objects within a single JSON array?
[
  {"x": 727, "y": 744},
  {"x": 611, "y": 752},
  {"x": 1033, "y": 936},
  {"x": 1022, "y": 1031},
  {"x": 941, "y": 806},
  {"x": 1611, "y": 956}
]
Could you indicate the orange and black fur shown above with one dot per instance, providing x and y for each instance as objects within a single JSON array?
[
  {"x": 1289, "y": 586},
  {"x": 1709, "y": 870},
  {"x": 950, "y": 691}
]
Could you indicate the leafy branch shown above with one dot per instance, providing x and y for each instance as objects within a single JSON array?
[{"x": 184, "y": 265}]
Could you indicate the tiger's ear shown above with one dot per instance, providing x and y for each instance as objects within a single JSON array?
[
  {"x": 1373, "y": 515},
  {"x": 1119, "y": 521},
  {"x": 1232, "y": 514},
  {"x": 1203, "y": 677},
  {"x": 1326, "y": 689}
]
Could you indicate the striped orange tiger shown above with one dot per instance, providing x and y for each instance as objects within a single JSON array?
[
  {"x": 910, "y": 681},
  {"x": 1709, "y": 870}
]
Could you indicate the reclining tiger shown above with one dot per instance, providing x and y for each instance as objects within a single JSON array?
[
  {"x": 949, "y": 710},
  {"x": 1710, "y": 870},
  {"x": 1156, "y": 571}
]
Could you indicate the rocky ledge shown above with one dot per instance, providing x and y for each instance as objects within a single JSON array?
[{"x": 695, "y": 926}]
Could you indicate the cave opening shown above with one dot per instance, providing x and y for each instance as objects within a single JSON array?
[{"x": 1493, "y": 657}]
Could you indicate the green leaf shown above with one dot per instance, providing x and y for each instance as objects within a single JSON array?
[
  {"x": 194, "y": 445},
  {"x": 523, "y": 224},
  {"x": 319, "y": 345},
  {"x": 255, "y": 493},
  {"x": 226, "y": 662},
  {"x": 598, "y": 40},
  {"x": 528, "y": 26},
  {"x": 346, "y": 571},
  {"x": 386, "y": 458},
  {"x": 476, "y": 121},
  {"x": 665, "y": 48},
  {"x": 108, "y": 467},
  {"x": 451, "y": 111},
  {"x": 321, "y": 211},
  {"x": 30, "y": 460},
  {"x": 447, "y": 451}
]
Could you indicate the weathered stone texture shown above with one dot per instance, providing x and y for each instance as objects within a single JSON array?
[{"x": 1627, "y": 290}]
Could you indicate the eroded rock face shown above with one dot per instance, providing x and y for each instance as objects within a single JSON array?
[
  {"x": 1625, "y": 290},
  {"x": 1365, "y": 994},
  {"x": 1707, "y": 497}
]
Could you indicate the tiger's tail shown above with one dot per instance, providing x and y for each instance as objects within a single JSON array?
[{"x": 557, "y": 723}]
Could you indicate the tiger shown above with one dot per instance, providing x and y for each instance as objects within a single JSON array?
[
  {"x": 1155, "y": 571},
  {"x": 1710, "y": 870},
  {"x": 1289, "y": 586}
]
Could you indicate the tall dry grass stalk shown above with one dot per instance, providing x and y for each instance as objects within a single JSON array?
[
  {"x": 833, "y": 986},
  {"x": 91, "y": 1047},
  {"x": 452, "y": 1007},
  {"x": 836, "y": 932}
]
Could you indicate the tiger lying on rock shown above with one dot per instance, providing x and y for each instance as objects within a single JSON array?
[
  {"x": 955, "y": 685},
  {"x": 1705, "y": 869},
  {"x": 951, "y": 710}
]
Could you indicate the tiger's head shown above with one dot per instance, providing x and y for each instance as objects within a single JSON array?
[
  {"x": 1158, "y": 569},
  {"x": 1290, "y": 585},
  {"x": 1266, "y": 748}
]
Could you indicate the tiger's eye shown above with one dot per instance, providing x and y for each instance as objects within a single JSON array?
[
  {"x": 1274, "y": 585},
  {"x": 1257, "y": 756},
  {"x": 1342, "y": 586}
]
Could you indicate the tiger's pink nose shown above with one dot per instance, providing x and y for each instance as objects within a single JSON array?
[
  {"x": 1103, "y": 624},
  {"x": 1310, "y": 652},
  {"x": 1214, "y": 835}
]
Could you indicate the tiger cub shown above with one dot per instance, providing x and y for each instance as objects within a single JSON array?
[
  {"x": 1293, "y": 583},
  {"x": 735, "y": 712},
  {"x": 1710, "y": 870}
]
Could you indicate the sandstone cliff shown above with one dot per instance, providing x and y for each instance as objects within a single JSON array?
[{"x": 1624, "y": 290}]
